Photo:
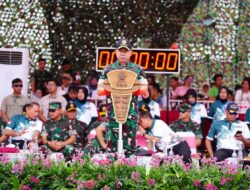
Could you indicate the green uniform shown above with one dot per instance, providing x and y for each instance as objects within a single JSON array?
[
  {"x": 179, "y": 126},
  {"x": 59, "y": 130},
  {"x": 1, "y": 125},
  {"x": 82, "y": 133},
  {"x": 130, "y": 127},
  {"x": 94, "y": 146}
]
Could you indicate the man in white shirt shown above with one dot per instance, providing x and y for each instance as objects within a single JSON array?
[
  {"x": 25, "y": 127},
  {"x": 155, "y": 130},
  {"x": 231, "y": 134},
  {"x": 51, "y": 97}
]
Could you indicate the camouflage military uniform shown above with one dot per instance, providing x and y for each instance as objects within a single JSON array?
[
  {"x": 59, "y": 130},
  {"x": 179, "y": 126},
  {"x": 94, "y": 146},
  {"x": 130, "y": 127},
  {"x": 82, "y": 133},
  {"x": 1, "y": 125}
]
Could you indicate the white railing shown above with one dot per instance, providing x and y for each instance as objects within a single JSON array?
[{"x": 206, "y": 103}]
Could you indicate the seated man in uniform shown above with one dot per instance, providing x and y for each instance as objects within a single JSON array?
[
  {"x": 157, "y": 130},
  {"x": 25, "y": 126},
  {"x": 2, "y": 126},
  {"x": 57, "y": 134},
  {"x": 185, "y": 124},
  {"x": 80, "y": 127},
  {"x": 99, "y": 143},
  {"x": 232, "y": 134}
]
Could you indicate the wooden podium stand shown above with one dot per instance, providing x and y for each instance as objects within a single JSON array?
[{"x": 121, "y": 83}]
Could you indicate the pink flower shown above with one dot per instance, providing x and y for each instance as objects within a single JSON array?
[
  {"x": 210, "y": 186},
  {"x": 78, "y": 157},
  {"x": 34, "y": 179},
  {"x": 69, "y": 183},
  {"x": 47, "y": 163},
  {"x": 99, "y": 176},
  {"x": 136, "y": 176},
  {"x": 4, "y": 159},
  {"x": 35, "y": 161},
  {"x": 223, "y": 180},
  {"x": 118, "y": 184},
  {"x": 25, "y": 187},
  {"x": 187, "y": 167},
  {"x": 151, "y": 182},
  {"x": 155, "y": 161},
  {"x": 17, "y": 168},
  {"x": 129, "y": 161},
  {"x": 89, "y": 184},
  {"x": 106, "y": 187},
  {"x": 197, "y": 182},
  {"x": 103, "y": 162}
]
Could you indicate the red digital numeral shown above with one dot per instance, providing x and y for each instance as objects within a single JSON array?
[
  {"x": 104, "y": 59},
  {"x": 134, "y": 57},
  {"x": 173, "y": 65},
  {"x": 146, "y": 56},
  {"x": 160, "y": 60}
]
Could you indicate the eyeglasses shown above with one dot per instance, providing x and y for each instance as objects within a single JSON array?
[{"x": 18, "y": 85}]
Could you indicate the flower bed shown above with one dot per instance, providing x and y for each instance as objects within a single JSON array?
[{"x": 111, "y": 172}]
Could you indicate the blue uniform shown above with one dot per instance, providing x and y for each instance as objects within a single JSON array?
[
  {"x": 247, "y": 116},
  {"x": 217, "y": 110},
  {"x": 225, "y": 132},
  {"x": 21, "y": 122}
]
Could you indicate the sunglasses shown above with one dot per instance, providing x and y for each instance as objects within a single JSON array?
[
  {"x": 233, "y": 114},
  {"x": 50, "y": 110},
  {"x": 18, "y": 85}
]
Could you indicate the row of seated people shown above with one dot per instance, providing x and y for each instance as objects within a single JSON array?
[
  {"x": 67, "y": 134},
  {"x": 61, "y": 133},
  {"x": 216, "y": 111},
  {"x": 86, "y": 110}
]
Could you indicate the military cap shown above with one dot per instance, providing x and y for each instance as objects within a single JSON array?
[
  {"x": 185, "y": 107},
  {"x": 71, "y": 107},
  {"x": 123, "y": 43}
]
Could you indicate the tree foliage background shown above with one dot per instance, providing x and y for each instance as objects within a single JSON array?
[{"x": 72, "y": 29}]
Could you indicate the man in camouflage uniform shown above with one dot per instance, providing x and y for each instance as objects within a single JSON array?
[
  {"x": 99, "y": 143},
  {"x": 123, "y": 53},
  {"x": 57, "y": 134},
  {"x": 80, "y": 127},
  {"x": 1, "y": 125},
  {"x": 185, "y": 124}
]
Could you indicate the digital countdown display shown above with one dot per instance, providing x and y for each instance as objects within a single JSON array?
[{"x": 166, "y": 61}]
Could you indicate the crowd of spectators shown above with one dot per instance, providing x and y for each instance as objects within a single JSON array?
[{"x": 69, "y": 110}]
